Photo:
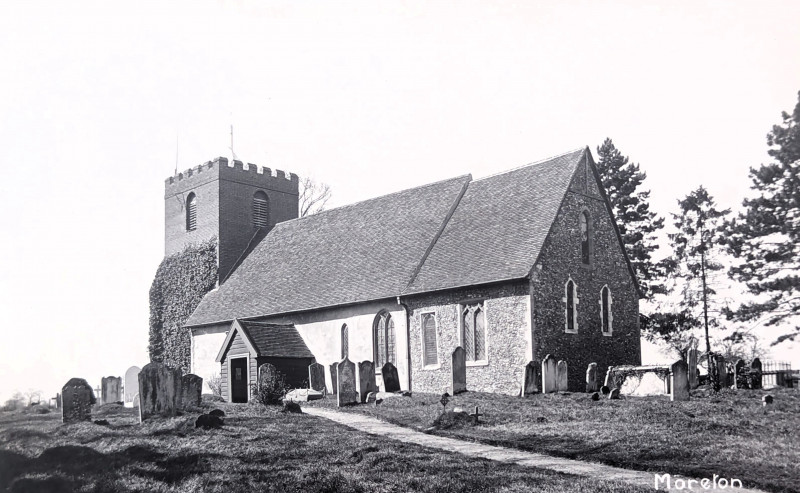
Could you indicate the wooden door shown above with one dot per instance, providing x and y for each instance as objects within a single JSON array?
[{"x": 238, "y": 379}]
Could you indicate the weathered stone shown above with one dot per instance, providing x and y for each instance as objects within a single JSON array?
[
  {"x": 595, "y": 396},
  {"x": 740, "y": 380},
  {"x": 303, "y": 395},
  {"x": 458, "y": 371},
  {"x": 131, "y": 383},
  {"x": 267, "y": 375},
  {"x": 605, "y": 390},
  {"x": 77, "y": 401},
  {"x": 346, "y": 381},
  {"x": 391, "y": 380},
  {"x": 691, "y": 360},
  {"x": 766, "y": 400},
  {"x": 316, "y": 377},
  {"x": 208, "y": 421},
  {"x": 755, "y": 374},
  {"x": 679, "y": 381},
  {"x": 372, "y": 397},
  {"x": 136, "y": 400},
  {"x": 646, "y": 383},
  {"x": 111, "y": 390},
  {"x": 191, "y": 390},
  {"x": 334, "y": 372},
  {"x": 159, "y": 391},
  {"x": 614, "y": 394},
  {"x": 722, "y": 370},
  {"x": 591, "y": 378},
  {"x": 562, "y": 381},
  {"x": 549, "y": 374},
  {"x": 530, "y": 382},
  {"x": 366, "y": 380},
  {"x": 608, "y": 381},
  {"x": 58, "y": 401}
]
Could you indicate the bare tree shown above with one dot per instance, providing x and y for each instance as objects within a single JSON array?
[{"x": 313, "y": 196}]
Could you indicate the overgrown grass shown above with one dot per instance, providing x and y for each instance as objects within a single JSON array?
[
  {"x": 258, "y": 449},
  {"x": 729, "y": 434}
]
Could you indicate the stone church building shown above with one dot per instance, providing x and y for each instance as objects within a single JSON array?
[{"x": 511, "y": 267}]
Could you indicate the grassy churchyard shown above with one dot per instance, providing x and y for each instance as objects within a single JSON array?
[
  {"x": 729, "y": 434},
  {"x": 258, "y": 449}
]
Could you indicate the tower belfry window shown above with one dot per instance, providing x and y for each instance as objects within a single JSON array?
[
  {"x": 260, "y": 210},
  {"x": 586, "y": 240},
  {"x": 191, "y": 212}
]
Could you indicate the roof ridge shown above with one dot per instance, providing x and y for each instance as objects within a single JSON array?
[{"x": 541, "y": 161}]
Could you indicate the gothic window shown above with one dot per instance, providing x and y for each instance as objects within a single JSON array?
[
  {"x": 383, "y": 340},
  {"x": 606, "y": 317},
  {"x": 570, "y": 304},
  {"x": 191, "y": 212},
  {"x": 260, "y": 210},
  {"x": 585, "y": 228},
  {"x": 429, "y": 356},
  {"x": 473, "y": 337},
  {"x": 345, "y": 341}
]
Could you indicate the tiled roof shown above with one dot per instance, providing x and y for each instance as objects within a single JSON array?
[{"x": 276, "y": 340}]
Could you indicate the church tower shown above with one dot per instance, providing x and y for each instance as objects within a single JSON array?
[{"x": 236, "y": 204}]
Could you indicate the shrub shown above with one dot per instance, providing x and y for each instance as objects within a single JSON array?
[
  {"x": 270, "y": 391},
  {"x": 215, "y": 384}
]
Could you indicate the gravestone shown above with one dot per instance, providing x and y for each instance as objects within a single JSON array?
[
  {"x": 722, "y": 371},
  {"x": 77, "y": 401},
  {"x": 691, "y": 360},
  {"x": 267, "y": 374},
  {"x": 136, "y": 399},
  {"x": 607, "y": 382},
  {"x": 191, "y": 390},
  {"x": 766, "y": 400},
  {"x": 614, "y": 394},
  {"x": 679, "y": 381},
  {"x": 159, "y": 391},
  {"x": 530, "y": 379},
  {"x": 591, "y": 378},
  {"x": 595, "y": 396},
  {"x": 562, "y": 382},
  {"x": 391, "y": 380},
  {"x": 111, "y": 390},
  {"x": 334, "y": 371},
  {"x": 459, "y": 371},
  {"x": 549, "y": 374},
  {"x": 755, "y": 374},
  {"x": 58, "y": 401},
  {"x": 605, "y": 390},
  {"x": 346, "y": 383},
  {"x": 316, "y": 377},
  {"x": 740, "y": 375},
  {"x": 366, "y": 379},
  {"x": 131, "y": 383}
]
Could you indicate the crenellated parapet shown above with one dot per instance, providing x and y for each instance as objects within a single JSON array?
[{"x": 221, "y": 168}]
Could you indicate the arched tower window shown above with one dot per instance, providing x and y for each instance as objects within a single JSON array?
[
  {"x": 383, "y": 340},
  {"x": 570, "y": 307},
  {"x": 586, "y": 244},
  {"x": 260, "y": 210},
  {"x": 606, "y": 316},
  {"x": 473, "y": 326},
  {"x": 345, "y": 341},
  {"x": 191, "y": 212}
]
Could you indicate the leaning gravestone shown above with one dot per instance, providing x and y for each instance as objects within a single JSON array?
[
  {"x": 459, "y": 371},
  {"x": 111, "y": 390},
  {"x": 366, "y": 379},
  {"x": 191, "y": 390},
  {"x": 530, "y": 381},
  {"x": 346, "y": 383},
  {"x": 159, "y": 391},
  {"x": 562, "y": 382},
  {"x": 131, "y": 383},
  {"x": 740, "y": 375},
  {"x": 316, "y": 377},
  {"x": 549, "y": 374},
  {"x": 391, "y": 380},
  {"x": 755, "y": 374},
  {"x": 334, "y": 372},
  {"x": 679, "y": 381},
  {"x": 691, "y": 360},
  {"x": 591, "y": 378},
  {"x": 77, "y": 401}
]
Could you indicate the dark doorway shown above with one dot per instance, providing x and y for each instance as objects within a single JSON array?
[{"x": 238, "y": 380}]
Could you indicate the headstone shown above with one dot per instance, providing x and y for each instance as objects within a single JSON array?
[
  {"x": 595, "y": 396},
  {"x": 77, "y": 401},
  {"x": 530, "y": 383},
  {"x": 111, "y": 390},
  {"x": 740, "y": 375},
  {"x": 605, "y": 390},
  {"x": 58, "y": 401},
  {"x": 691, "y": 360},
  {"x": 131, "y": 383},
  {"x": 591, "y": 378},
  {"x": 766, "y": 400},
  {"x": 191, "y": 390},
  {"x": 679, "y": 381},
  {"x": 334, "y": 371},
  {"x": 391, "y": 380},
  {"x": 346, "y": 383},
  {"x": 136, "y": 399},
  {"x": 267, "y": 374},
  {"x": 646, "y": 383},
  {"x": 303, "y": 395},
  {"x": 159, "y": 391},
  {"x": 316, "y": 377},
  {"x": 722, "y": 371},
  {"x": 562, "y": 382},
  {"x": 549, "y": 374},
  {"x": 366, "y": 379},
  {"x": 755, "y": 374},
  {"x": 614, "y": 394},
  {"x": 459, "y": 371}
]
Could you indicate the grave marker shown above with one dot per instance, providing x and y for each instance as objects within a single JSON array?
[
  {"x": 755, "y": 374},
  {"x": 591, "y": 378},
  {"x": 530, "y": 379},
  {"x": 346, "y": 383},
  {"x": 366, "y": 379},
  {"x": 740, "y": 375},
  {"x": 131, "y": 383},
  {"x": 159, "y": 391},
  {"x": 722, "y": 371},
  {"x": 316, "y": 377},
  {"x": 549, "y": 374},
  {"x": 679, "y": 381},
  {"x": 111, "y": 390},
  {"x": 191, "y": 390},
  {"x": 562, "y": 382},
  {"x": 691, "y": 360},
  {"x": 334, "y": 371},
  {"x": 391, "y": 380},
  {"x": 459, "y": 371},
  {"x": 77, "y": 401}
]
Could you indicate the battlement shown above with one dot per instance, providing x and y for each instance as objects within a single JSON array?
[{"x": 237, "y": 171}]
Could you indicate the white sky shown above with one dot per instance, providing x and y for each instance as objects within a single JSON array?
[{"x": 369, "y": 97}]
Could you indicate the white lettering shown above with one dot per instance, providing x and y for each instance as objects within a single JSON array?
[
  {"x": 705, "y": 483},
  {"x": 714, "y": 480},
  {"x": 663, "y": 478},
  {"x": 722, "y": 485},
  {"x": 735, "y": 483},
  {"x": 690, "y": 481}
]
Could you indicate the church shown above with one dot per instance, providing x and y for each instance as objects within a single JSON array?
[{"x": 511, "y": 267}]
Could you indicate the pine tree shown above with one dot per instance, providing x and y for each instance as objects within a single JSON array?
[
  {"x": 637, "y": 223},
  {"x": 766, "y": 235}
]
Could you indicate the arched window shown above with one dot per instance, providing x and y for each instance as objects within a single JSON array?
[
  {"x": 429, "y": 354},
  {"x": 606, "y": 317},
  {"x": 585, "y": 227},
  {"x": 383, "y": 340},
  {"x": 345, "y": 342},
  {"x": 191, "y": 212},
  {"x": 473, "y": 326},
  {"x": 570, "y": 307},
  {"x": 260, "y": 210}
]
